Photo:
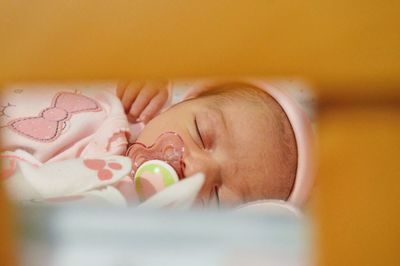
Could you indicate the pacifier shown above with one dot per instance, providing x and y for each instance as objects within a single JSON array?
[
  {"x": 157, "y": 166},
  {"x": 168, "y": 147},
  {"x": 152, "y": 177}
]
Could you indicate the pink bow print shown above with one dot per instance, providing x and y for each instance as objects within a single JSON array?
[{"x": 47, "y": 126}]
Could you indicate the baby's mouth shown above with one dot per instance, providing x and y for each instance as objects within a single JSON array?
[{"x": 168, "y": 147}]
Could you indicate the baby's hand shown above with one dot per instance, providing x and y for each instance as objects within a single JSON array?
[{"x": 142, "y": 100}]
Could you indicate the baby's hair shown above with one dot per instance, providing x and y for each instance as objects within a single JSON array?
[{"x": 285, "y": 149}]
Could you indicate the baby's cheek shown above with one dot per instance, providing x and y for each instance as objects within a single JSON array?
[{"x": 228, "y": 197}]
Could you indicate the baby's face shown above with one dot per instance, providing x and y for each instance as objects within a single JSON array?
[{"x": 228, "y": 143}]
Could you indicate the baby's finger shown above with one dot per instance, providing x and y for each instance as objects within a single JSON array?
[
  {"x": 141, "y": 101},
  {"x": 154, "y": 106},
  {"x": 130, "y": 94},
  {"x": 121, "y": 87}
]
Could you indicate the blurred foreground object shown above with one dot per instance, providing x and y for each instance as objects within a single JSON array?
[
  {"x": 337, "y": 45},
  {"x": 7, "y": 241},
  {"x": 348, "y": 50},
  {"x": 65, "y": 236},
  {"x": 359, "y": 202}
]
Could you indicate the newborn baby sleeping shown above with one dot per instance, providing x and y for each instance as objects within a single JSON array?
[{"x": 250, "y": 140}]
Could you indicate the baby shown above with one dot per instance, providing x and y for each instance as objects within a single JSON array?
[
  {"x": 238, "y": 135},
  {"x": 241, "y": 135}
]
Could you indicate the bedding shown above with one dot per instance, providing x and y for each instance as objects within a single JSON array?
[{"x": 97, "y": 180}]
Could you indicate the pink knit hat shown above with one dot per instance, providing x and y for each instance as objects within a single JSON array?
[{"x": 302, "y": 130}]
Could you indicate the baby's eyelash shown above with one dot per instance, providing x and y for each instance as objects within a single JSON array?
[{"x": 198, "y": 132}]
